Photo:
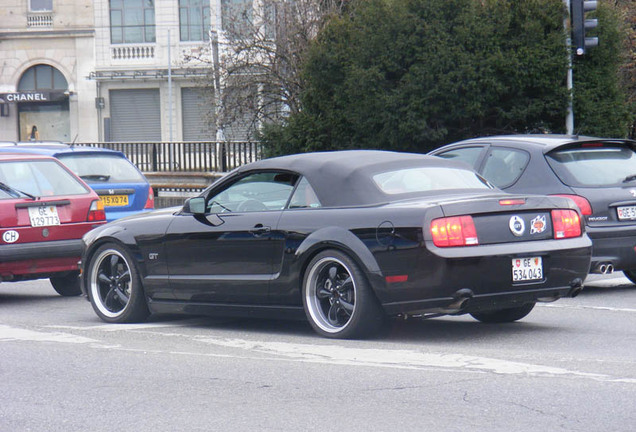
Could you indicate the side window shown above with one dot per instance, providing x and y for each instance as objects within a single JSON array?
[
  {"x": 304, "y": 196},
  {"x": 504, "y": 166},
  {"x": 260, "y": 191},
  {"x": 470, "y": 155}
]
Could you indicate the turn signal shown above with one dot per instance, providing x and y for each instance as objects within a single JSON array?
[
  {"x": 454, "y": 231},
  {"x": 150, "y": 201},
  {"x": 583, "y": 204},
  {"x": 96, "y": 212},
  {"x": 566, "y": 224}
]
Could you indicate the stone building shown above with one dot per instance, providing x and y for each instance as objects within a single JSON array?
[{"x": 107, "y": 70}]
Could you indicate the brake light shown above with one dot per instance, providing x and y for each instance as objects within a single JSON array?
[
  {"x": 150, "y": 201},
  {"x": 583, "y": 204},
  {"x": 454, "y": 231},
  {"x": 96, "y": 211},
  {"x": 566, "y": 224},
  {"x": 516, "y": 201}
]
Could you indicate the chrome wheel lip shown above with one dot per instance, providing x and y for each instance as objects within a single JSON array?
[
  {"x": 95, "y": 289},
  {"x": 316, "y": 310}
]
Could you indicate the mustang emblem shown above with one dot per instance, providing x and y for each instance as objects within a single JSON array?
[{"x": 517, "y": 226}]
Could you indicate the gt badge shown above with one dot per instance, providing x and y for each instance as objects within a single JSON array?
[
  {"x": 538, "y": 225},
  {"x": 517, "y": 226},
  {"x": 10, "y": 236}
]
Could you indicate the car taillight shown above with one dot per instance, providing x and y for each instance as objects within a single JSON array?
[
  {"x": 583, "y": 204},
  {"x": 566, "y": 224},
  {"x": 96, "y": 212},
  {"x": 454, "y": 231},
  {"x": 150, "y": 201}
]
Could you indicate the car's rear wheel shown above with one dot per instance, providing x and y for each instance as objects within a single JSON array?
[
  {"x": 504, "y": 315},
  {"x": 338, "y": 299},
  {"x": 114, "y": 286},
  {"x": 631, "y": 275},
  {"x": 67, "y": 285}
]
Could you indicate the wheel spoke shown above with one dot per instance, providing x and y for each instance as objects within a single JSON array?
[
  {"x": 109, "y": 299},
  {"x": 323, "y": 293},
  {"x": 332, "y": 315},
  {"x": 124, "y": 277},
  {"x": 346, "y": 285},
  {"x": 114, "y": 259},
  {"x": 103, "y": 278},
  {"x": 346, "y": 307},
  {"x": 122, "y": 297}
]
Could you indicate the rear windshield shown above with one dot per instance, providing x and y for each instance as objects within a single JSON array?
[
  {"x": 37, "y": 178},
  {"x": 426, "y": 179},
  {"x": 594, "y": 166},
  {"x": 101, "y": 168}
]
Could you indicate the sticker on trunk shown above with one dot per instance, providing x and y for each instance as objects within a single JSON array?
[
  {"x": 10, "y": 236},
  {"x": 538, "y": 225}
]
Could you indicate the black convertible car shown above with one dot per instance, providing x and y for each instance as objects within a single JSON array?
[{"x": 345, "y": 239}]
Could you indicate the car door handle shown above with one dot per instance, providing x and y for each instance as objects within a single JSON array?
[{"x": 260, "y": 229}]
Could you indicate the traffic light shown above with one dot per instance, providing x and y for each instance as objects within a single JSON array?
[{"x": 580, "y": 25}]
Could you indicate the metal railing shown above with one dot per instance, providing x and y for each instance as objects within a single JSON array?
[{"x": 206, "y": 156}]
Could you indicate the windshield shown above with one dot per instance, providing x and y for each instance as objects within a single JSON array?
[
  {"x": 102, "y": 168},
  {"x": 427, "y": 179},
  {"x": 594, "y": 166},
  {"x": 37, "y": 178}
]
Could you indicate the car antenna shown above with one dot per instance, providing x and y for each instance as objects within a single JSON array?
[{"x": 74, "y": 139}]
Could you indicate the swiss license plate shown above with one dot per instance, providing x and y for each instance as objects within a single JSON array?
[
  {"x": 43, "y": 216},
  {"x": 527, "y": 269},
  {"x": 114, "y": 200},
  {"x": 626, "y": 213}
]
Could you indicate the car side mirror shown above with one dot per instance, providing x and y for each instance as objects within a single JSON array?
[{"x": 195, "y": 205}]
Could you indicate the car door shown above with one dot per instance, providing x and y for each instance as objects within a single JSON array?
[{"x": 228, "y": 254}]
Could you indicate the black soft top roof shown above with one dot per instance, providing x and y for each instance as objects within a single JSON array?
[{"x": 344, "y": 178}]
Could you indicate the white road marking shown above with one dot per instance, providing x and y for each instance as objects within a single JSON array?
[
  {"x": 578, "y": 306},
  {"x": 17, "y": 334}
]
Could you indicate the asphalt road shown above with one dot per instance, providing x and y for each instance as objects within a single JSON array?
[{"x": 568, "y": 366}]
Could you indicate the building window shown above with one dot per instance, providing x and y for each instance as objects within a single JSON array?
[
  {"x": 132, "y": 21},
  {"x": 42, "y": 77},
  {"x": 194, "y": 20},
  {"x": 40, "y": 5}
]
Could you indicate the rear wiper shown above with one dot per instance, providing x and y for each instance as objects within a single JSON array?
[
  {"x": 14, "y": 191},
  {"x": 97, "y": 177},
  {"x": 629, "y": 178}
]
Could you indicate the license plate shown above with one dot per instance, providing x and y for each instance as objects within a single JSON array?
[
  {"x": 114, "y": 200},
  {"x": 527, "y": 269},
  {"x": 43, "y": 216},
  {"x": 626, "y": 213}
]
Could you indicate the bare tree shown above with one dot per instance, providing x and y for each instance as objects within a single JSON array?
[{"x": 256, "y": 59}]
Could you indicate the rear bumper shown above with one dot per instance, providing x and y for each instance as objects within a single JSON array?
[
  {"x": 613, "y": 245},
  {"x": 38, "y": 260}
]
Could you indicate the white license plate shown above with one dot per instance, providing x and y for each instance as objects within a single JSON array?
[
  {"x": 626, "y": 213},
  {"x": 527, "y": 269},
  {"x": 43, "y": 216}
]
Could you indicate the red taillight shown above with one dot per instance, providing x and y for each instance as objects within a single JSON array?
[
  {"x": 582, "y": 203},
  {"x": 454, "y": 231},
  {"x": 150, "y": 201},
  {"x": 96, "y": 212},
  {"x": 566, "y": 224}
]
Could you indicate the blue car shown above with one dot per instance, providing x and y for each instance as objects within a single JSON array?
[{"x": 122, "y": 187}]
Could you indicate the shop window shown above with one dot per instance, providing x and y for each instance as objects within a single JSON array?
[
  {"x": 42, "y": 77},
  {"x": 132, "y": 21}
]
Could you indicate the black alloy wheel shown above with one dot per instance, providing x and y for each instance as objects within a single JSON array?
[
  {"x": 338, "y": 300},
  {"x": 114, "y": 286}
]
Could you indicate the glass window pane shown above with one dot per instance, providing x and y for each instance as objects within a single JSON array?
[
  {"x": 133, "y": 34},
  {"x": 59, "y": 82},
  {"x": 43, "y": 77},
  {"x": 133, "y": 17},
  {"x": 116, "y": 4},
  {"x": 504, "y": 166},
  {"x": 116, "y": 35},
  {"x": 150, "y": 34},
  {"x": 27, "y": 82},
  {"x": 115, "y": 18},
  {"x": 41, "y": 5},
  {"x": 183, "y": 24}
]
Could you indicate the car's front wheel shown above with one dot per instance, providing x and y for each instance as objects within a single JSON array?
[
  {"x": 338, "y": 299},
  {"x": 67, "y": 285},
  {"x": 504, "y": 315},
  {"x": 114, "y": 286}
]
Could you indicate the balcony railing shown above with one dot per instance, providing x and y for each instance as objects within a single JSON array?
[
  {"x": 40, "y": 19},
  {"x": 133, "y": 52}
]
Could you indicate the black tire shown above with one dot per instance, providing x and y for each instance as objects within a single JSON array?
[
  {"x": 504, "y": 315},
  {"x": 114, "y": 286},
  {"x": 631, "y": 275},
  {"x": 338, "y": 300},
  {"x": 67, "y": 285}
]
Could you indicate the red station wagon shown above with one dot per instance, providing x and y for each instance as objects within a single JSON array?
[{"x": 45, "y": 210}]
